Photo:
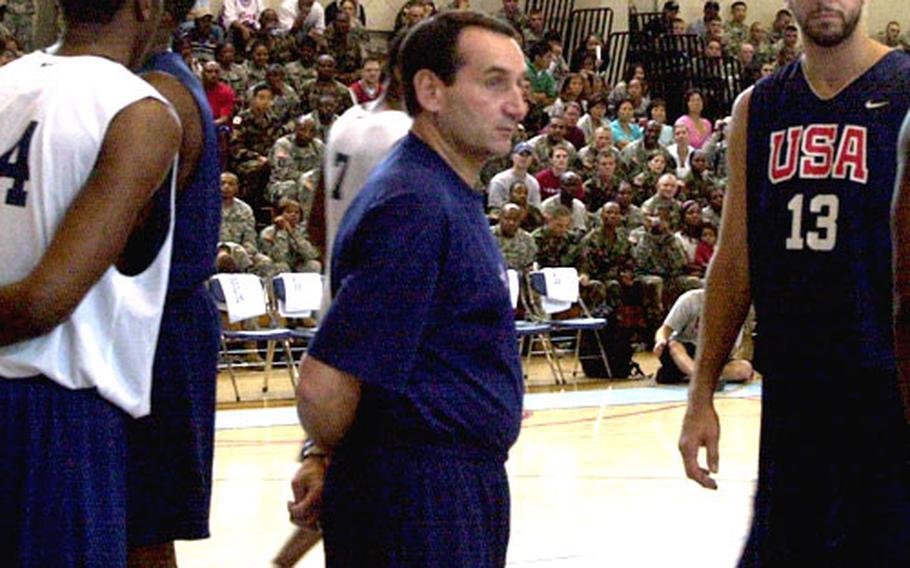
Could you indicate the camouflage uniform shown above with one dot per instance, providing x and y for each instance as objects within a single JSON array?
[
  {"x": 322, "y": 128},
  {"x": 253, "y": 136},
  {"x": 283, "y": 48},
  {"x": 311, "y": 91},
  {"x": 254, "y": 74},
  {"x": 239, "y": 226},
  {"x": 736, "y": 34},
  {"x": 556, "y": 251},
  {"x": 632, "y": 219},
  {"x": 588, "y": 156},
  {"x": 236, "y": 78},
  {"x": 518, "y": 20},
  {"x": 296, "y": 75},
  {"x": 764, "y": 53},
  {"x": 635, "y": 157},
  {"x": 519, "y": 250},
  {"x": 284, "y": 103},
  {"x": 657, "y": 202},
  {"x": 698, "y": 187},
  {"x": 347, "y": 51},
  {"x": 597, "y": 193},
  {"x": 290, "y": 250},
  {"x": 543, "y": 147},
  {"x": 602, "y": 260},
  {"x": 20, "y": 21},
  {"x": 660, "y": 263},
  {"x": 288, "y": 162}
]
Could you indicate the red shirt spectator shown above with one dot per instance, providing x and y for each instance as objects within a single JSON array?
[
  {"x": 368, "y": 87},
  {"x": 363, "y": 94},
  {"x": 221, "y": 97}
]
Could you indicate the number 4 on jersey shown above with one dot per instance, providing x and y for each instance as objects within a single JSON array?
[{"x": 17, "y": 170}]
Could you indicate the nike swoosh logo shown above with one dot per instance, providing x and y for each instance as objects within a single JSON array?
[{"x": 872, "y": 105}]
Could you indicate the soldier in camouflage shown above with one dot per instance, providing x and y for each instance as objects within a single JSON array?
[
  {"x": 345, "y": 48},
  {"x": 282, "y": 47},
  {"x": 291, "y": 157},
  {"x": 20, "y": 22},
  {"x": 606, "y": 253},
  {"x": 252, "y": 138},
  {"x": 660, "y": 262},
  {"x": 325, "y": 84},
  {"x": 238, "y": 230},
  {"x": 285, "y": 241},
  {"x": 632, "y": 215},
  {"x": 517, "y": 245},
  {"x": 285, "y": 101},
  {"x": 303, "y": 69},
  {"x": 233, "y": 74},
  {"x": 324, "y": 115},
  {"x": 603, "y": 185},
  {"x": 258, "y": 63},
  {"x": 557, "y": 244}
]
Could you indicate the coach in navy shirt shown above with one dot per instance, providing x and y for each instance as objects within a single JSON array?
[{"x": 413, "y": 384}]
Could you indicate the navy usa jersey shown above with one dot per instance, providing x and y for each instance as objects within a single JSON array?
[{"x": 820, "y": 176}]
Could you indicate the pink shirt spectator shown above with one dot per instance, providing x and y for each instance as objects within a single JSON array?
[{"x": 696, "y": 139}]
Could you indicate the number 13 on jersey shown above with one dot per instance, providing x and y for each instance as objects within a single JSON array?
[
  {"x": 14, "y": 165},
  {"x": 823, "y": 211}
]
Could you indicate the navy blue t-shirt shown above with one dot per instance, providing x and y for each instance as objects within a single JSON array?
[
  {"x": 820, "y": 180},
  {"x": 421, "y": 312}
]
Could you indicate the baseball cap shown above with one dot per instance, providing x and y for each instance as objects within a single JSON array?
[
  {"x": 197, "y": 13},
  {"x": 523, "y": 147},
  {"x": 713, "y": 4},
  {"x": 671, "y": 6}
]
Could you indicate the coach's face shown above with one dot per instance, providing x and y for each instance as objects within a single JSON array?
[
  {"x": 480, "y": 111},
  {"x": 827, "y": 23}
]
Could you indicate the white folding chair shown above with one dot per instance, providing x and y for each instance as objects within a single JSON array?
[
  {"x": 559, "y": 290},
  {"x": 531, "y": 330},
  {"x": 243, "y": 297}
]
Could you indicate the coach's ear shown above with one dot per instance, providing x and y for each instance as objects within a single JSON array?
[{"x": 428, "y": 88}]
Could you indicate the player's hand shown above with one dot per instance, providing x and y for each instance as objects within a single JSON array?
[
  {"x": 307, "y": 487},
  {"x": 700, "y": 428}
]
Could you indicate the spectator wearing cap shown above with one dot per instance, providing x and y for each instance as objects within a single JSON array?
[
  {"x": 664, "y": 24},
  {"x": 788, "y": 45},
  {"x": 711, "y": 10},
  {"x": 204, "y": 35},
  {"x": 782, "y": 19},
  {"x": 500, "y": 185}
]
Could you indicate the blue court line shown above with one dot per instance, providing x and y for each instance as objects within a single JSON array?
[{"x": 287, "y": 416}]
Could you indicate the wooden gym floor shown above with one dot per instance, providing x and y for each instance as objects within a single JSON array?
[{"x": 596, "y": 480}]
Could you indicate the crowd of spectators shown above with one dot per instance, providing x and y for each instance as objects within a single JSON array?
[{"x": 600, "y": 177}]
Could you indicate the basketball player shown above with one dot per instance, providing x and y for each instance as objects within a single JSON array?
[
  {"x": 413, "y": 383},
  {"x": 84, "y": 145},
  {"x": 805, "y": 236},
  {"x": 170, "y": 451},
  {"x": 358, "y": 141}
]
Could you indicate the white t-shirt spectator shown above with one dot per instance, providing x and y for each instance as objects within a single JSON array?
[
  {"x": 287, "y": 13},
  {"x": 498, "y": 191}
]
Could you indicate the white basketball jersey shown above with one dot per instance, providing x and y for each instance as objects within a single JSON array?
[
  {"x": 54, "y": 113},
  {"x": 358, "y": 141}
]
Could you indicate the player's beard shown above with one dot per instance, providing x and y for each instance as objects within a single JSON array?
[{"x": 830, "y": 36}]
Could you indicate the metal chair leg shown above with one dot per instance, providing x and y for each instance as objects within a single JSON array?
[
  {"x": 269, "y": 357},
  {"x": 292, "y": 368},
  {"x": 230, "y": 366}
]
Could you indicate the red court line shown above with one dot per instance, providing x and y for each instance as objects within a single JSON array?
[{"x": 248, "y": 443}]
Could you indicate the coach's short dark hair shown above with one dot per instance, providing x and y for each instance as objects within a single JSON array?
[
  {"x": 539, "y": 49},
  {"x": 433, "y": 45},
  {"x": 91, "y": 11}
]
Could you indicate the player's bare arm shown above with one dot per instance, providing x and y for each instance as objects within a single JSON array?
[
  {"x": 900, "y": 228},
  {"x": 327, "y": 402},
  {"x": 136, "y": 155},
  {"x": 188, "y": 112},
  {"x": 727, "y": 299}
]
